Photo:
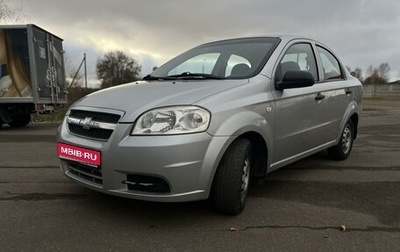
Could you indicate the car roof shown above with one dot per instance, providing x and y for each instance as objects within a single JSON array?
[
  {"x": 288, "y": 38},
  {"x": 283, "y": 38}
]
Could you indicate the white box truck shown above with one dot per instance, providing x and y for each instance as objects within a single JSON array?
[{"x": 32, "y": 75}]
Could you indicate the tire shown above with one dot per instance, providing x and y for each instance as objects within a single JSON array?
[
  {"x": 342, "y": 150},
  {"x": 231, "y": 181},
  {"x": 20, "y": 121}
]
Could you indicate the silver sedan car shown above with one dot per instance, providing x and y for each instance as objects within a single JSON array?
[{"x": 200, "y": 126}]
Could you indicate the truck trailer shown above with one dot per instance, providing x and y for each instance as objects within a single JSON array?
[{"x": 32, "y": 74}]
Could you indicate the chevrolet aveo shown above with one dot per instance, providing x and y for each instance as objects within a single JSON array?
[{"x": 200, "y": 126}]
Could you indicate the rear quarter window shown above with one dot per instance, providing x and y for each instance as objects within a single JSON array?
[{"x": 330, "y": 65}]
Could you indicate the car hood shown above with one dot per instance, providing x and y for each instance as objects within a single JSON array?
[{"x": 136, "y": 98}]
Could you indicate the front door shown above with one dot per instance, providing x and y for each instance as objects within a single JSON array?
[{"x": 298, "y": 110}]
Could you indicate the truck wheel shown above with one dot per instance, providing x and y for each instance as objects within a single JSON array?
[
  {"x": 20, "y": 120},
  {"x": 232, "y": 178},
  {"x": 343, "y": 149}
]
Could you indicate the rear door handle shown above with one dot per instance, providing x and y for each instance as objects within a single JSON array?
[
  {"x": 348, "y": 91},
  {"x": 319, "y": 97}
]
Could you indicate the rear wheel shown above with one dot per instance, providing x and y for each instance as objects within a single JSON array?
[
  {"x": 20, "y": 120},
  {"x": 231, "y": 182},
  {"x": 342, "y": 150}
]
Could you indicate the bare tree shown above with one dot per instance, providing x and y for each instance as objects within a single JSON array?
[
  {"x": 9, "y": 15},
  {"x": 384, "y": 70},
  {"x": 378, "y": 75},
  {"x": 356, "y": 73},
  {"x": 117, "y": 68}
]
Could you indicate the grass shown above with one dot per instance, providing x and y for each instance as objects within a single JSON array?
[
  {"x": 74, "y": 94},
  {"x": 56, "y": 116}
]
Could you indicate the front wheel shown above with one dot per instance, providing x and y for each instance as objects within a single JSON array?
[
  {"x": 231, "y": 182},
  {"x": 342, "y": 150}
]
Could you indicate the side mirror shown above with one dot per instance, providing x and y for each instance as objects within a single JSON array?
[{"x": 295, "y": 79}]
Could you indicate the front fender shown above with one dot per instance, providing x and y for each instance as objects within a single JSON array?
[
  {"x": 228, "y": 131},
  {"x": 244, "y": 122}
]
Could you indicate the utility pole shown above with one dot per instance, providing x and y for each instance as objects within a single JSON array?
[
  {"x": 84, "y": 58},
  {"x": 83, "y": 62}
]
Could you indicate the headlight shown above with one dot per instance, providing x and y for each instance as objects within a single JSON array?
[{"x": 172, "y": 120}]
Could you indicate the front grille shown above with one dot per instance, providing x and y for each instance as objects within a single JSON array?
[
  {"x": 98, "y": 116},
  {"x": 147, "y": 184},
  {"x": 86, "y": 172},
  {"x": 99, "y": 125},
  {"x": 101, "y": 134}
]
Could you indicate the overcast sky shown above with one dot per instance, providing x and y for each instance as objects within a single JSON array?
[{"x": 361, "y": 32}]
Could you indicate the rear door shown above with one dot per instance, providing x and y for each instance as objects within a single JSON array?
[
  {"x": 337, "y": 94},
  {"x": 48, "y": 67}
]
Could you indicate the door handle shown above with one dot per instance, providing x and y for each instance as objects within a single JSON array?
[
  {"x": 319, "y": 97},
  {"x": 348, "y": 91}
]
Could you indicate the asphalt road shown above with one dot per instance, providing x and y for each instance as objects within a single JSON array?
[{"x": 312, "y": 205}]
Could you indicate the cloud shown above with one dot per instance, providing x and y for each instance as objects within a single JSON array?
[{"x": 361, "y": 32}]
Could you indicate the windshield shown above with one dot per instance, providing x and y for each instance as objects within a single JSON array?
[{"x": 229, "y": 59}]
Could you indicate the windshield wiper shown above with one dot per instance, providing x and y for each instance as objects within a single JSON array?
[
  {"x": 151, "y": 77},
  {"x": 185, "y": 75},
  {"x": 188, "y": 75}
]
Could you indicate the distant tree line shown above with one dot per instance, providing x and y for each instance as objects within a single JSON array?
[{"x": 374, "y": 75}]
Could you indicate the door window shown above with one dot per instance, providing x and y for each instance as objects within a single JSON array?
[{"x": 297, "y": 57}]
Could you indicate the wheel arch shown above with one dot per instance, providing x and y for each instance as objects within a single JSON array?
[
  {"x": 352, "y": 113},
  {"x": 355, "y": 119},
  {"x": 258, "y": 169},
  {"x": 245, "y": 124},
  {"x": 260, "y": 156}
]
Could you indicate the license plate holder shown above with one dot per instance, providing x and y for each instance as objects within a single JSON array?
[{"x": 75, "y": 153}]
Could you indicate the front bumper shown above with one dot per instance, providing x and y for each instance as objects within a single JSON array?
[{"x": 171, "y": 168}]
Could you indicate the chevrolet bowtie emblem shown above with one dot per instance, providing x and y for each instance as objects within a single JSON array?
[{"x": 87, "y": 123}]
